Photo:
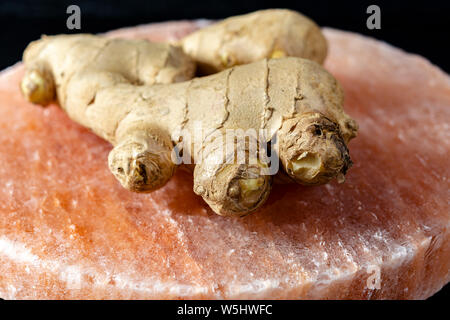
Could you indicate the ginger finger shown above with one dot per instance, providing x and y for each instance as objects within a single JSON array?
[
  {"x": 141, "y": 161},
  {"x": 49, "y": 65},
  {"x": 312, "y": 149},
  {"x": 232, "y": 189},
  {"x": 273, "y": 33},
  {"x": 231, "y": 186},
  {"x": 38, "y": 86}
]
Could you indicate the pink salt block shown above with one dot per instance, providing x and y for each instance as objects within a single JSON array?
[{"x": 68, "y": 230}]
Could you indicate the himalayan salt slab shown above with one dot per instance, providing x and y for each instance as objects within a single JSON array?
[{"x": 68, "y": 230}]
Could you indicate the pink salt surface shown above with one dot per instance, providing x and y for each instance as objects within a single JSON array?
[{"x": 69, "y": 230}]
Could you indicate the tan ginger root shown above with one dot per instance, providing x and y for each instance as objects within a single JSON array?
[
  {"x": 53, "y": 60},
  {"x": 247, "y": 38},
  {"x": 291, "y": 97}
]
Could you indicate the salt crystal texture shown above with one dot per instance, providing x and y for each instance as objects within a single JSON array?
[{"x": 68, "y": 230}]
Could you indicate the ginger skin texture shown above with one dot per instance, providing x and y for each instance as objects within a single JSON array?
[
  {"x": 100, "y": 62},
  {"x": 293, "y": 98},
  {"x": 272, "y": 33}
]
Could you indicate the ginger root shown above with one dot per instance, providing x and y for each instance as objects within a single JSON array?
[
  {"x": 53, "y": 60},
  {"x": 272, "y": 33},
  {"x": 108, "y": 86}
]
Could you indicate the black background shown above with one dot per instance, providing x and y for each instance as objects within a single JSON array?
[
  {"x": 416, "y": 26},
  {"x": 421, "y": 27}
]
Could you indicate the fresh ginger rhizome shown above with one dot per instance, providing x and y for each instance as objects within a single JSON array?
[{"x": 138, "y": 95}]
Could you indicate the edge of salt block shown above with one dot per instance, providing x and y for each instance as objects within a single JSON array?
[
  {"x": 11, "y": 69},
  {"x": 381, "y": 44}
]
